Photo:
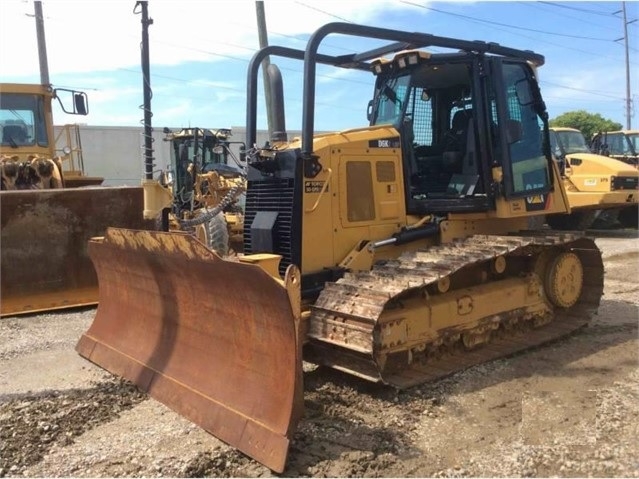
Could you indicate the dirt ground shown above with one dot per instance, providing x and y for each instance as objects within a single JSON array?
[{"x": 569, "y": 409}]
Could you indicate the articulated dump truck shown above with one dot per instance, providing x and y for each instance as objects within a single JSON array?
[
  {"x": 396, "y": 252},
  {"x": 594, "y": 183},
  {"x": 48, "y": 212}
]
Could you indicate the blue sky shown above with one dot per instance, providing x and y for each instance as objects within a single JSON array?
[{"x": 200, "y": 52}]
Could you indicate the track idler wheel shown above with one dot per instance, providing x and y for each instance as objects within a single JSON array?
[{"x": 564, "y": 280}]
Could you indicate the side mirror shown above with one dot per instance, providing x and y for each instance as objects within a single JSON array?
[
  {"x": 369, "y": 111},
  {"x": 80, "y": 104},
  {"x": 513, "y": 131},
  {"x": 524, "y": 95},
  {"x": 74, "y": 103}
]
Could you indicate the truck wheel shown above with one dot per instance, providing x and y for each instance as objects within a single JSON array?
[
  {"x": 217, "y": 234},
  {"x": 579, "y": 221},
  {"x": 607, "y": 220},
  {"x": 629, "y": 217}
]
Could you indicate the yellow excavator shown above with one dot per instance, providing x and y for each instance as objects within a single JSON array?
[
  {"x": 396, "y": 252},
  {"x": 594, "y": 183}
]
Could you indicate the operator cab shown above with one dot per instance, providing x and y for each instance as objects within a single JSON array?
[
  {"x": 22, "y": 120},
  {"x": 455, "y": 129}
]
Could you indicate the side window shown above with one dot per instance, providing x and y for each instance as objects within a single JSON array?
[
  {"x": 554, "y": 145},
  {"x": 614, "y": 145},
  {"x": 523, "y": 130},
  {"x": 420, "y": 109},
  {"x": 391, "y": 100},
  {"x": 627, "y": 150}
]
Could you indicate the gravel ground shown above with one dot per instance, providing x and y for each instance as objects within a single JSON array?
[{"x": 569, "y": 409}]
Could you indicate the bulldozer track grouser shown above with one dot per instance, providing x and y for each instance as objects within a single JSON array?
[
  {"x": 396, "y": 252},
  {"x": 48, "y": 212}
]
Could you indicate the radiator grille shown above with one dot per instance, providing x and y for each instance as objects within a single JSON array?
[{"x": 272, "y": 195}]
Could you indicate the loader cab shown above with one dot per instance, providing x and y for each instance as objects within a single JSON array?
[
  {"x": 22, "y": 121},
  {"x": 461, "y": 117},
  {"x": 26, "y": 117}
]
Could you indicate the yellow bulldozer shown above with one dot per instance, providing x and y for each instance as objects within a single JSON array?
[
  {"x": 48, "y": 207},
  {"x": 596, "y": 185},
  {"x": 396, "y": 252}
]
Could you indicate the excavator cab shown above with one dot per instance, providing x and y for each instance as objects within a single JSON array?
[{"x": 393, "y": 252}]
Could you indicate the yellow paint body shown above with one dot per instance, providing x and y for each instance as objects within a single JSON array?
[
  {"x": 44, "y": 263},
  {"x": 330, "y": 234},
  {"x": 589, "y": 180}
]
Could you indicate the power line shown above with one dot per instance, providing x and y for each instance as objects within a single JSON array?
[
  {"x": 585, "y": 10},
  {"x": 599, "y": 93},
  {"x": 324, "y": 12},
  {"x": 536, "y": 39},
  {"x": 504, "y": 24},
  {"x": 546, "y": 9}
]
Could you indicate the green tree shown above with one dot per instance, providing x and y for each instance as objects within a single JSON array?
[{"x": 587, "y": 123}]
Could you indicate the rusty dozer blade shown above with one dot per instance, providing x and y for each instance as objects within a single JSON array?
[
  {"x": 215, "y": 340},
  {"x": 44, "y": 264}
]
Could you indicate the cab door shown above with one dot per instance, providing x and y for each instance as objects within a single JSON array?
[{"x": 522, "y": 127}]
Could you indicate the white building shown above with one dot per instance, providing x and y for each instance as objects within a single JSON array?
[{"x": 116, "y": 153}]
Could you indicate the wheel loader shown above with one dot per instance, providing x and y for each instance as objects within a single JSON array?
[
  {"x": 395, "y": 252},
  {"x": 596, "y": 185},
  {"x": 206, "y": 190},
  {"x": 48, "y": 207}
]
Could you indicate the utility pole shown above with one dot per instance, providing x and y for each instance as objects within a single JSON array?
[
  {"x": 263, "y": 39},
  {"x": 625, "y": 38},
  {"x": 42, "y": 44},
  {"x": 146, "y": 88}
]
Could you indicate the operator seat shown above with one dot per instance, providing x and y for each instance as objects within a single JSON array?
[
  {"x": 16, "y": 133},
  {"x": 455, "y": 141}
]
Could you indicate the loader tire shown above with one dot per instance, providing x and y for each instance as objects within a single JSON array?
[
  {"x": 577, "y": 221},
  {"x": 217, "y": 234}
]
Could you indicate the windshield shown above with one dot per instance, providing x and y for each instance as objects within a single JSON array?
[
  {"x": 22, "y": 120},
  {"x": 568, "y": 142},
  {"x": 391, "y": 100},
  {"x": 633, "y": 139}
]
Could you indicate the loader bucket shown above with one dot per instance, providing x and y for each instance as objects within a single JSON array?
[
  {"x": 44, "y": 263},
  {"x": 215, "y": 340}
]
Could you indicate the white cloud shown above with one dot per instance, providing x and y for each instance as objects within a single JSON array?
[{"x": 98, "y": 35}]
